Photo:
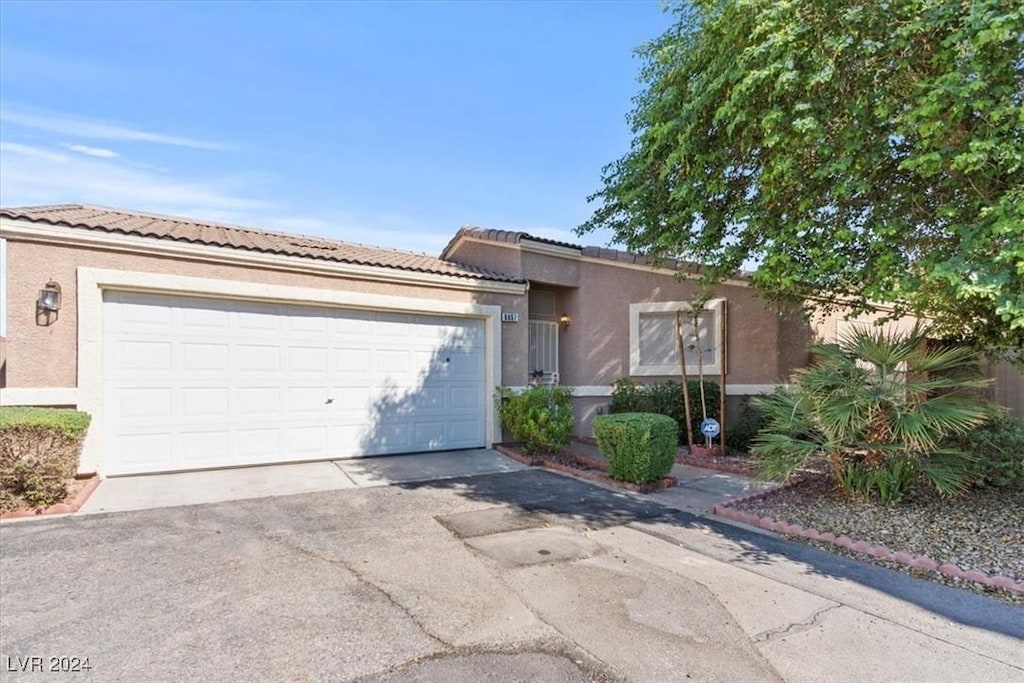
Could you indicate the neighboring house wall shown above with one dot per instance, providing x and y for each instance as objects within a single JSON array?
[
  {"x": 1007, "y": 378},
  {"x": 829, "y": 327},
  {"x": 1008, "y": 386}
]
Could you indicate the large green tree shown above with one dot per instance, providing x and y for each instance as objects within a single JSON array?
[{"x": 856, "y": 151}]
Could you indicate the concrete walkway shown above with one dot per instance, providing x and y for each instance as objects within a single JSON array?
[
  {"x": 145, "y": 492},
  {"x": 699, "y": 489}
]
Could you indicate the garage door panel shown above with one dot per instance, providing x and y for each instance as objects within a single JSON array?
[
  {"x": 388, "y": 437},
  {"x": 464, "y": 432},
  {"x": 258, "y": 444},
  {"x": 306, "y": 359},
  {"x": 432, "y": 434},
  {"x": 209, "y": 402},
  {"x": 153, "y": 356},
  {"x": 255, "y": 401},
  {"x": 262, "y": 358},
  {"x": 307, "y": 442},
  {"x": 352, "y": 361},
  {"x": 391, "y": 325},
  {"x": 191, "y": 383},
  {"x": 430, "y": 398},
  {"x": 145, "y": 402},
  {"x": 306, "y": 399},
  {"x": 463, "y": 397},
  {"x": 351, "y": 324},
  {"x": 204, "y": 357},
  {"x": 258, "y": 318},
  {"x": 305, "y": 321},
  {"x": 203, "y": 316},
  {"x": 149, "y": 453},
  {"x": 205, "y": 448},
  {"x": 392, "y": 363}
]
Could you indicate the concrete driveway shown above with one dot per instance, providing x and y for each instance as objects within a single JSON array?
[{"x": 523, "y": 575}]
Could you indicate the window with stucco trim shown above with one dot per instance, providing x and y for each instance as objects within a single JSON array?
[{"x": 653, "y": 349}]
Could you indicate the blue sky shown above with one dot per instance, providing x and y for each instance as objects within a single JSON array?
[{"x": 382, "y": 123}]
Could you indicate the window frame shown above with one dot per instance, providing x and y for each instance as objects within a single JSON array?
[{"x": 636, "y": 310}]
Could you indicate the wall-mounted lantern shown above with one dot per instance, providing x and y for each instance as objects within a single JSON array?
[
  {"x": 565, "y": 320},
  {"x": 49, "y": 300}
]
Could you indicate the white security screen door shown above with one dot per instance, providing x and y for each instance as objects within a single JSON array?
[{"x": 544, "y": 350}]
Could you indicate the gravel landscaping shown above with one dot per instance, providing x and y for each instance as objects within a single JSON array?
[{"x": 983, "y": 530}]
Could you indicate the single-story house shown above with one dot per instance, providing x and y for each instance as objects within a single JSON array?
[{"x": 196, "y": 345}]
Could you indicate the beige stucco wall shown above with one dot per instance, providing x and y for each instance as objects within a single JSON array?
[
  {"x": 495, "y": 256},
  {"x": 551, "y": 270},
  {"x": 46, "y": 356},
  {"x": 828, "y": 327},
  {"x": 595, "y": 349}
]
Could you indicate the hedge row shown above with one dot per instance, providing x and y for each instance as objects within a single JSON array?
[{"x": 39, "y": 451}]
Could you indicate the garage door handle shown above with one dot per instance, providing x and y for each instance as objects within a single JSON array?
[{"x": 330, "y": 400}]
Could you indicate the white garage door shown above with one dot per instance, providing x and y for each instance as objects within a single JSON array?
[{"x": 192, "y": 383}]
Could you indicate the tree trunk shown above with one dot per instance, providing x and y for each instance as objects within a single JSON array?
[{"x": 682, "y": 371}]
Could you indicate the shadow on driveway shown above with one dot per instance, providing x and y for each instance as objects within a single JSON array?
[{"x": 578, "y": 503}]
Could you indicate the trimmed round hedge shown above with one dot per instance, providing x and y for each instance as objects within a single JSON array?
[{"x": 640, "y": 447}]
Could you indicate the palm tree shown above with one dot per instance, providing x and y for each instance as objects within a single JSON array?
[{"x": 877, "y": 407}]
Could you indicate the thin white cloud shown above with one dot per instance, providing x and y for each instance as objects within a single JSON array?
[
  {"x": 74, "y": 126},
  {"x": 28, "y": 151},
  {"x": 32, "y": 175},
  {"x": 99, "y": 152}
]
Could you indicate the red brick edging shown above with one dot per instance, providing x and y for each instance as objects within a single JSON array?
[
  {"x": 598, "y": 476},
  {"x": 922, "y": 562},
  {"x": 58, "y": 508}
]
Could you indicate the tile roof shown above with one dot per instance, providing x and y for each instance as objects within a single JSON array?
[
  {"x": 510, "y": 236},
  {"x": 603, "y": 253},
  {"x": 98, "y": 218}
]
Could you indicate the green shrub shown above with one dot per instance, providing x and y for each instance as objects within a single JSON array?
[
  {"x": 640, "y": 447},
  {"x": 880, "y": 408},
  {"x": 540, "y": 418},
  {"x": 998, "y": 450},
  {"x": 39, "y": 450},
  {"x": 751, "y": 420},
  {"x": 666, "y": 398}
]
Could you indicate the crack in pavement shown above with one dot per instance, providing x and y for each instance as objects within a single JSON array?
[
  {"x": 821, "y": 594},
  {"x": 796, "y": 627},
  {"x": 281, "y": 541},
  {"x": 363, "y": 579},
  {"x": 499, "y": 576}
]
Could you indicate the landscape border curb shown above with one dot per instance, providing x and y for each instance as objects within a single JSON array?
[
  {"x": 58, "y": 508},
  {"x": 882, "y": 552}
]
